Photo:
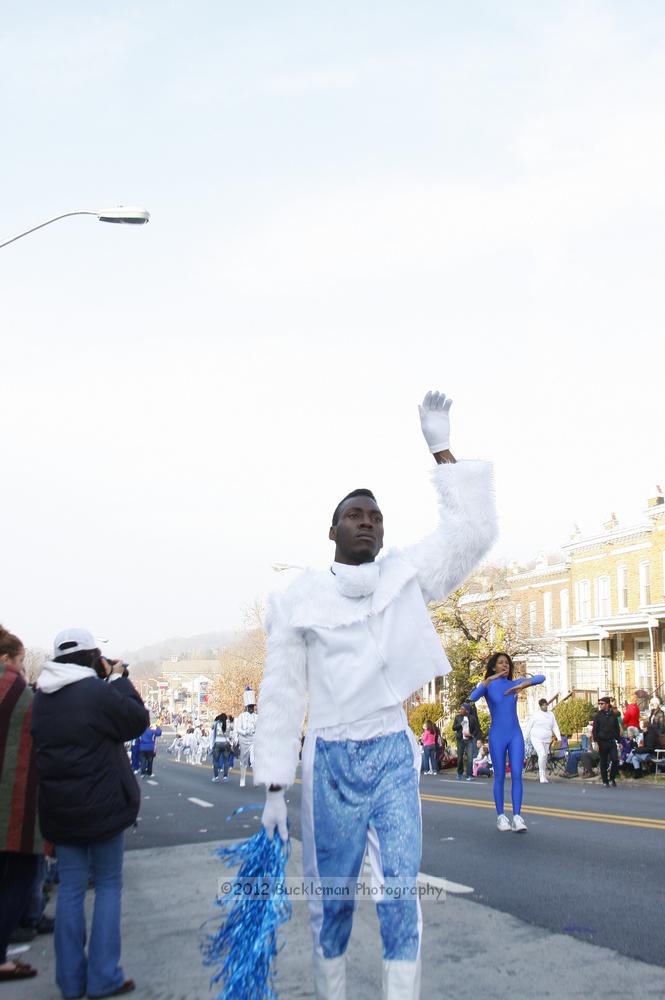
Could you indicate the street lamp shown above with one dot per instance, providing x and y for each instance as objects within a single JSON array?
[{"x": 120, "y": 214}]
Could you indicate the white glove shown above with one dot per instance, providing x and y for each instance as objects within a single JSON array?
[
  {"x": 274, "y": 815},
  {"x": 435, "y": 421}
]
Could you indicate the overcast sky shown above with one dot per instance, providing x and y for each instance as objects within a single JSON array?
[{"x": 352, "y": 202}]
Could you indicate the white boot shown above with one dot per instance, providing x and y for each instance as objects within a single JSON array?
[
  {"x": 401, "y": 980},
  {"x": 243, "y": 772},
  {"x": 330, "y": 977}
]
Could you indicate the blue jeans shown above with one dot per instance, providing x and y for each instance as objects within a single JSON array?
[
  {"x": 223, "y": 754},
  {"x": 429, "y": 758},
  {"x": 101, "y": 972}
]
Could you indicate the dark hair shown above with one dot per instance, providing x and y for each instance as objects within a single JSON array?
[
  {"x": 10, "y": 645},
  {"x": 491, "y": 665},
  {"x": 221, "y": 718},
  {"x": 542, "y": 701},
  {"x": 83, "y": 658},
  {"x": 353, "y": 493},
  {"x": 431, "y": 728}
]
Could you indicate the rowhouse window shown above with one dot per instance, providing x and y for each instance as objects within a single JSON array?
[
  {"x": 518, "y": 619},
  {"x": 603, "y": 608},
  {"x": 583, "y": 595},
  {"x": 622, "y": 588},
  {"x": 547, "y": 610},
  {"x": 645, "y": 583},
  {"x": 564, "y": 604},
  {"x": 532, "y": 618}
]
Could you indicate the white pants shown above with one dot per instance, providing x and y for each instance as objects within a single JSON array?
[{"x": 542, "y": 748}]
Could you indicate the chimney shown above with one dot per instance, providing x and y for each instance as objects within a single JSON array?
[
  {"x": 612, "y": 523},
  {"x": 657, "y": 500}
]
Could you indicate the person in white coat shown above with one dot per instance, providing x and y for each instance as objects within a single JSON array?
[
  {"x": 540, "y": 729},
  {"x": 353, "y": 642},
  {"x": 245, "y": 727}
]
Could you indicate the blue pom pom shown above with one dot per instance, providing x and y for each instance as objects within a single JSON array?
[{"x": 244, "y": 947}]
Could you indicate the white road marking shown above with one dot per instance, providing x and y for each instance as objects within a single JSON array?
[
  {"x": 454, "y": 888},
  {"x": 200, "y": 802}
]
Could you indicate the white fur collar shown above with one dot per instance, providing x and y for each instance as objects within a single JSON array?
[
  {"x": 356, "y": 581},
  {"x": 314, "y": 600}
]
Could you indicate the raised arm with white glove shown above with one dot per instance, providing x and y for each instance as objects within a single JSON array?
[
  {"x": 274, "y": 815},
  {"x": 435, "y": 422}
]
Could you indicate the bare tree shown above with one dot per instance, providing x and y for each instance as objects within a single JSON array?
[
  {"x": 471, "y": 630},
  {"x": 241, "y": 665}
]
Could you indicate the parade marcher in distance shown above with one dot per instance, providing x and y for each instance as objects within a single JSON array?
[
  {"x": 505, "y": 737},
  {"x": 221, "y": 738},
  {"x": 21, "y": 844},
  {"x": 84, "y": 711},
  {"x": 606, "y": 733},
  {"x": 245, "y": 729},
  {"x": 354, "y": 641},
  {"x": 540, "y": 729}
]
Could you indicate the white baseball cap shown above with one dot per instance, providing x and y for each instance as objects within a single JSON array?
[{"x": 73, "y": 640}]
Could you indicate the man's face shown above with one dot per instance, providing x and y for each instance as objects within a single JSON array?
[{"x": 358, "y": 534}]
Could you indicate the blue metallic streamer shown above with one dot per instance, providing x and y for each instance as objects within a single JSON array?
[{"x": 245, "y": 945}]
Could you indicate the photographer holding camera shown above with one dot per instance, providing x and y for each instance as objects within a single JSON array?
[{"x": 84, "y": 711}]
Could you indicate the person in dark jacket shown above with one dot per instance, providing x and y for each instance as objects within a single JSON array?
[
  {"x": 467, "y": 729},
  {"x": 606, "y": 733},
  {"x": 20, "y": 842},
  {"x": 84, "y": 711}
]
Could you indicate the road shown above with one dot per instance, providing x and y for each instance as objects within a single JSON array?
[{"x": 590, "y": 865}]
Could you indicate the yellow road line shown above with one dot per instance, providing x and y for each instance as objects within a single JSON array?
[
  {"x": 643, "y": 822},
  {"x": 591, "y": 817}
]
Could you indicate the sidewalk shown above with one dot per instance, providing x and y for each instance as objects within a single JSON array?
[{"x": 169, "y": 894}]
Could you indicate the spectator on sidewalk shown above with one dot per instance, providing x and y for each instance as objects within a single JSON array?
[
  {"x": 467, "y": 730},
  {"x": 656, "y": 716},
  {"x": 482, "y": 763},
  {"x": 631, "y": 714},
  {"x": 147, "y": 749},
  {"x": 606, "y": 733},
  {"x": 84, "y": 711},
  {"x": 540, "y": 729},
  {"x": 428, "y": 740},
  {"x": 645, "y": 752},
  {"x": 20, "y": 841},
  {"x": 574, "y": 756}
]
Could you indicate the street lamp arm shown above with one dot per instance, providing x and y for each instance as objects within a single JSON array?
[{"x": 41, "y": 226}]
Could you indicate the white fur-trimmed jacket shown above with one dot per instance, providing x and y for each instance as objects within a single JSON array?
[{"x": 343, "y": 658}]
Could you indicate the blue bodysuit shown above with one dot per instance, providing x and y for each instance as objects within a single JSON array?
[{"x": 505, "y": 735}]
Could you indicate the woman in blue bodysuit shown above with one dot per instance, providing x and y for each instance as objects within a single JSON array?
[{"x": 500, "y": 692}]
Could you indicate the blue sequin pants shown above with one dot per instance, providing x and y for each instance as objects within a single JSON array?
[{"x": 362, "y": 795}]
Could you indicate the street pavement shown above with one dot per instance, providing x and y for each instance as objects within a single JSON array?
[{"x": 567, "y": 909}]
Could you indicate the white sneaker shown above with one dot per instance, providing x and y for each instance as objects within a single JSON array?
[
  {"x": 544, "y": 781},
  {"x": 215, "y": 779},
  {"x": 519, "y": 826},
  {"x": 503, "y": 823}
]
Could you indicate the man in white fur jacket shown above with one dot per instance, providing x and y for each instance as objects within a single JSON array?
[{"x": 350, "y": 643}]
